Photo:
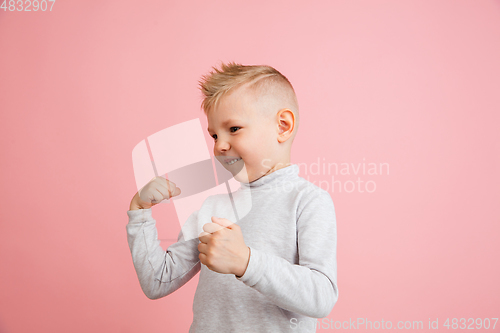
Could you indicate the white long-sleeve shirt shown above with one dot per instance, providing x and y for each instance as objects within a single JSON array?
[{"x": 291, "y": 277}]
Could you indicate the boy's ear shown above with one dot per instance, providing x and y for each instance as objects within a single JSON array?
[{"x": 286, "y": 124}]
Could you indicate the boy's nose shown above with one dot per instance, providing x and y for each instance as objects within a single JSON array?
[{"x": 222, "y": 146}]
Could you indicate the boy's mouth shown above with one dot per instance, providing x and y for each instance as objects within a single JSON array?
[{"x": 231, "y": 161}]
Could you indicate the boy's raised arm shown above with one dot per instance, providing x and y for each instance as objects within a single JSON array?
[
  {"x": 309, "y": 288},
  {"x": 160, "y": 272}
]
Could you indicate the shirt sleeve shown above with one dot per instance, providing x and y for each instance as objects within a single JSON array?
[
  {"x": 160, "y": 272},
  {"x": 309, "y": 288}
]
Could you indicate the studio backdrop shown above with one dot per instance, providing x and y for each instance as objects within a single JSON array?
[{"x": 399, "y": 113}]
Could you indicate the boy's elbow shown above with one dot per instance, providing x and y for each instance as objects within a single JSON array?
[
  {"x": 151, "y": 296},
  {"x": 329, "y": 303},
  {"x": 324, "y": 311},
  {"x": 334, "y": 299},
  {"x": 154, "y": 296},
  {"x": 150, "y": 292}
]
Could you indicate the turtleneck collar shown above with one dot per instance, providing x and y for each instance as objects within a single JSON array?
[{"x": 276, "y": 178}]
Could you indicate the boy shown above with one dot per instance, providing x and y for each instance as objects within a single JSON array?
[{"x": 273, "y": 271}]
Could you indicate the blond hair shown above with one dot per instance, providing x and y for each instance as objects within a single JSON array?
[{"x": 230, "y": 76}]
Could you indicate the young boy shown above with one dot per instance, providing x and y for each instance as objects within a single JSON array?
[{"x": 275, "y": 270}]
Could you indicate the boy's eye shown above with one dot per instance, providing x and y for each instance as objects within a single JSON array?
[{"x": 230, "y": 129}]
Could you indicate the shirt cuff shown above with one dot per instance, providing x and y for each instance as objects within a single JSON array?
[
  {"x": 139, "y": 215},
  {"x": 255, "y": 269}
]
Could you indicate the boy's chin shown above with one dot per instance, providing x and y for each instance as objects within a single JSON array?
[{"x": 241, "y": 174}]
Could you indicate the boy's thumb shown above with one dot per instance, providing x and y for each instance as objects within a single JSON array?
[{"x": 222, "y": 221}]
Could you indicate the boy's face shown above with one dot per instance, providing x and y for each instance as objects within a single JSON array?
[{"x": 242, "y": 130}]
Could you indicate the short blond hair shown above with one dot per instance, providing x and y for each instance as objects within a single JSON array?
[{"x": 259, "y": 79}]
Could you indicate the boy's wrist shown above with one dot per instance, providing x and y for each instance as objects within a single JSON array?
[
  {"x": 137, "y": 203},
  {"x": 246, "y": 260},
  {"x": 134, "y": 207}
]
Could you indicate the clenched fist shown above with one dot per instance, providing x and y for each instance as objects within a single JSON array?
[
  {"x": 222, "y": 248},
  {"x": 153, "y": 193}
]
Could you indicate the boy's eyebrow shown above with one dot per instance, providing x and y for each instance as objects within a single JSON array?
[{"x": 224, "y": 123}]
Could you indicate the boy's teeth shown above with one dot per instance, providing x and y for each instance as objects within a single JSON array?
[{"x": 233, "y": 161}]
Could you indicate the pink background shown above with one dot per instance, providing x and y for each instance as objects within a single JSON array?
[{"x": 414, "y": 84}]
